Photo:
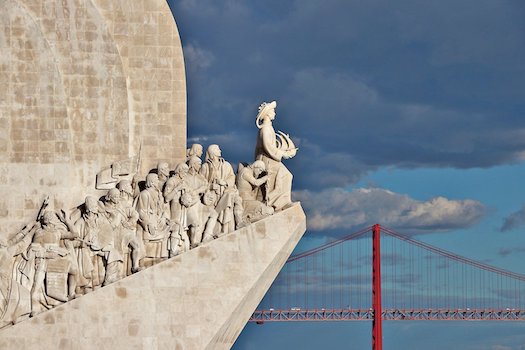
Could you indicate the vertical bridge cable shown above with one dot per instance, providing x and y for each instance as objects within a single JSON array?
[{"x": 466, "y": 284}]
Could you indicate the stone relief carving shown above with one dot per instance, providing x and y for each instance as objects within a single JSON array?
[
  {"x": 195, "y": 150},
  {"x": 155, "y": 227},
  {"x": 62, "y": 256},
  {"x": 16, "y": 276},
  {"x": 56, "y": 270},
  {"x": 251, "y": 183}
]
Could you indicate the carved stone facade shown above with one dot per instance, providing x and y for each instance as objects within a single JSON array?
[
  {"x": 197, "y": 300},
  {"x": 95, "y": 178},
  {"x": 137, "y": 224},
  {"x": 84, "y": 84}
]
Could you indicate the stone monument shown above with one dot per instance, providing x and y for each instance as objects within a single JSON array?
[
  {"x": 145, "y": 245},
  {"x": 88, "y": 87}
]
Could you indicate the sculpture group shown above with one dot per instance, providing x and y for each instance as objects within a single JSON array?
[{"x": 136, "y": 224}]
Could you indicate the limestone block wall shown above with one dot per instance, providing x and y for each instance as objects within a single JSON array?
[
  {"x": 84, "y": 83},
  {"x": 200, "y": 299}
]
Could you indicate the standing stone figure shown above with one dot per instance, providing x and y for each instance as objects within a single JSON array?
[
  {"x": 156, "y": 227},
  {"x": 271, "y": 148},
  {"x": 98, "y": 260},
  {"x": 16, "y": 276},
  {"x": 163, "y": 172},
  {"x": 200, "y": 219},
  {"x": 173, "y": 191},
  {"x": 217, "y": 171},
  {"x": 221, "y": 180},
  {"x": 123, "y": 218},
  {"x": 56, "y": 270}
]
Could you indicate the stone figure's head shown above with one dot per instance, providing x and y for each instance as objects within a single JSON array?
[
  {"x": 195, "y": 150},
  {"x": 213, "y": 152},
  {"x": 91, "y": 204},
  {"x": 125, "y": 186},
  {"x": 152, "y": 180},
  {"x": 181, "y": 168},
  {"x": 194, "y": 163},
  {"x": 163, "y": 168},
  {"x": 47, "y": 217},
  {"x": 113, "y": 196},
  {"x": 266, "y": 111},
  {"x": 258, "y": 168},
  {"x": 209, "y": 198}
]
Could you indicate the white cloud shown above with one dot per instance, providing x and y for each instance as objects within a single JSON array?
[{"x": 337, "y": 208}]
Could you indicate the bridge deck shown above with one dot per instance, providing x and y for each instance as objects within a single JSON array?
[{"x": 297, "y": 315}]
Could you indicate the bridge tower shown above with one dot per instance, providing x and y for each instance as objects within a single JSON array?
[{"x": 377, "y": 323}]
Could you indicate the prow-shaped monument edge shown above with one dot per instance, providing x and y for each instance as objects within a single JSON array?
[{"x": 200, "y": 299}]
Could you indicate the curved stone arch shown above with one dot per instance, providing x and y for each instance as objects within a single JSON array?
[
  {"x": 100, "y": 121},
  {"x": 148, "y": 39},
  {"x": 92, "y": 75},
  {"x": 37, "y": 126},
  {"x": 45, "y": 68}
]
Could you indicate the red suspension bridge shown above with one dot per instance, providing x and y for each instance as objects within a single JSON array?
[{"x": 390, "y": 277}]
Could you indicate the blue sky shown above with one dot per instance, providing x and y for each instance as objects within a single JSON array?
[{"x": 420, "y": 103}]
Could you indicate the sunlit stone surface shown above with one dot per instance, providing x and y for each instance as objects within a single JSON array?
[{"x": 200, "y": 299}]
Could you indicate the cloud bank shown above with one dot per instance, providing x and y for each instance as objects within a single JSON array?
[
  {"x": 365, "y": 84},
  {"x": 339, "y": 209}
]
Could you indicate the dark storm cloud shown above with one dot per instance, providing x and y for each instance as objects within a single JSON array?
[{"x": 362, "y": 85}]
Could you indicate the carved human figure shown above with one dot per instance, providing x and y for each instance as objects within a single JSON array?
[
  {"x": 221, "y": 180},
  {"x": 197, "y": 219},
  {"x": 200, "y": 219},
  {"x": 173, "y": 191},
  {"x": 123, "y": 218},
  {"x": 186, "y": 189},
  {"x": 250, "y": 179},
  {"x": 16, "y": 276},
  {"x": 98, "y": 260},
  {"x": 127, "y": 193},
  {"x": 56, "y": 270},
  {"x": 208, "y": 199},
  {"x": 155, "y": 226},
  {"x": 163, "y": 172},
  {"x": 217, "y": 171},
  {"x": 195, "y": 150},
  {"x": 271, "y": 148},
  {"x": 196, "y": 182}
]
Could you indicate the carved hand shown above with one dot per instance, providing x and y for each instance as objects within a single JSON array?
[{"x": 151, "y": 229}]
